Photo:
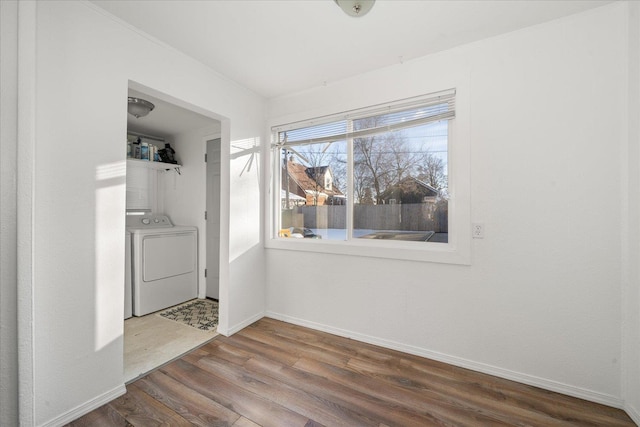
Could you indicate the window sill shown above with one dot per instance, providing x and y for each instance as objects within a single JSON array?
[{"x": 445, "y": 253}]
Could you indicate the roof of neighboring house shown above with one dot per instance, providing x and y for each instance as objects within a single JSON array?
[
  {"x": 311, "y": 179},
  {"x": 434, "y": 191},
  {"x": 292, "y": 196}
]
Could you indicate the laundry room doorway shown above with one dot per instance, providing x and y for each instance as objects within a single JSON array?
[
  {"x": 168, "y": 185},
  {"x": 212, "y": 275}
]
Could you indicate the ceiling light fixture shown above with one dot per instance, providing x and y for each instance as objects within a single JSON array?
[
  {"x": 355, "y": 8},
  {"x": 139, "y": 107}
]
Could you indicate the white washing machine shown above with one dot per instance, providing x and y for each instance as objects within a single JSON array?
[{"x": 164, "y": 263}]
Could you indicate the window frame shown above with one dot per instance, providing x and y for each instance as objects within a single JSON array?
[{"x": 456, "y": 251}]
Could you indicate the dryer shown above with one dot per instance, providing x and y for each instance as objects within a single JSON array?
[{"x": 164, "y": 262}]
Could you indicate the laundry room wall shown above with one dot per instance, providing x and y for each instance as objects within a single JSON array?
[
  {"x": 8, "y": 213},
  {"x": 631, "y": 281},
  {"x": 185, "y": 193},
  {"x": 86, "y": 60}
]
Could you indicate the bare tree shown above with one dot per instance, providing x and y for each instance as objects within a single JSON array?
[
  {"x": 432, "y": 172},
  {"x": 373, "y": 162},
  {"x": 380, "y": 162},
  {"x": 362, "y": 183},
  {"x": 315, "y": 158},
  {"x": 338, "y": 164},
  {"x": 367, "y": 197},
  {"x": 384, "y": 160},
  {"x": 407, "y": 158}
]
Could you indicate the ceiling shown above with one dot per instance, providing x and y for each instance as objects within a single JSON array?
[
  {"x": 168, "y": 120},
  {"x": 277, "y": 47}
]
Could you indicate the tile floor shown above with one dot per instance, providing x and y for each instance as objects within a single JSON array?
[{"x": 151, "y": 341}]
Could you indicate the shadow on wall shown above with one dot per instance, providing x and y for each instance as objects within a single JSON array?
[
  {"x": 246, "y": 271},
  {"x": 244, "y": 210},
  {"x": 109, "y": 237},
  {"x": 249, "y": 150}
]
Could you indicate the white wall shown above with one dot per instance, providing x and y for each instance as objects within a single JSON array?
[
  {"x": 246, "y": 251},
  {"x": 8, "y": 218},
  {"x": 631, "y": 228},
  {"x": 541, "y": 301},
  {"x": 85, "y": 60},
  {"x": 185, "y": 203}
]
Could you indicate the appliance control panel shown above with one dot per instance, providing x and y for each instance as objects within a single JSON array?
[{"x": 148, "y": 220}]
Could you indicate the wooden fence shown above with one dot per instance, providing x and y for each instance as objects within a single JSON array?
[{"x": 403, "y": 217}]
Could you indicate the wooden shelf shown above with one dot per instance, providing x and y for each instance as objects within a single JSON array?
[{"x": 153, "y": 165}]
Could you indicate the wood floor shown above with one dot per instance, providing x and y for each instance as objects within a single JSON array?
[{"x": 276, "y": 374}]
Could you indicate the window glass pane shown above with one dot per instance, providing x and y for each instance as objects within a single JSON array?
[
  {"x": 313, "y": 190},
  {"x": 400, "y": 182}
]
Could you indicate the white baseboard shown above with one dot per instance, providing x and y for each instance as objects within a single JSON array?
[
  {"x": 546, "y": 384},
  {"x": 86, "y": 407},
  {"x": 633, "y": 413},
  {"x": 239, "y": 326}
]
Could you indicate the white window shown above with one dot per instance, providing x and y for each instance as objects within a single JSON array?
[
  {"x": 379, "y": 178},
  {"x": 327, "y": 181}
]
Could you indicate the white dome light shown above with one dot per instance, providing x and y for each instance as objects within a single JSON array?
[{"x": 355, "y": 8}]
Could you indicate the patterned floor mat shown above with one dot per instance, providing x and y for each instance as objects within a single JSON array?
[{"x": 201, "y": 314}]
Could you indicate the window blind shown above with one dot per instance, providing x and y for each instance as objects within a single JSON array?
[{"x": 369, "y": 122}]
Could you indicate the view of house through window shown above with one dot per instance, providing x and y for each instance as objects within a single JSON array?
[{"x": 372, "y": 175}]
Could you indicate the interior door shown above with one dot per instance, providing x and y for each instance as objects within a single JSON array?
[{"x": 213, "y": 218}]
